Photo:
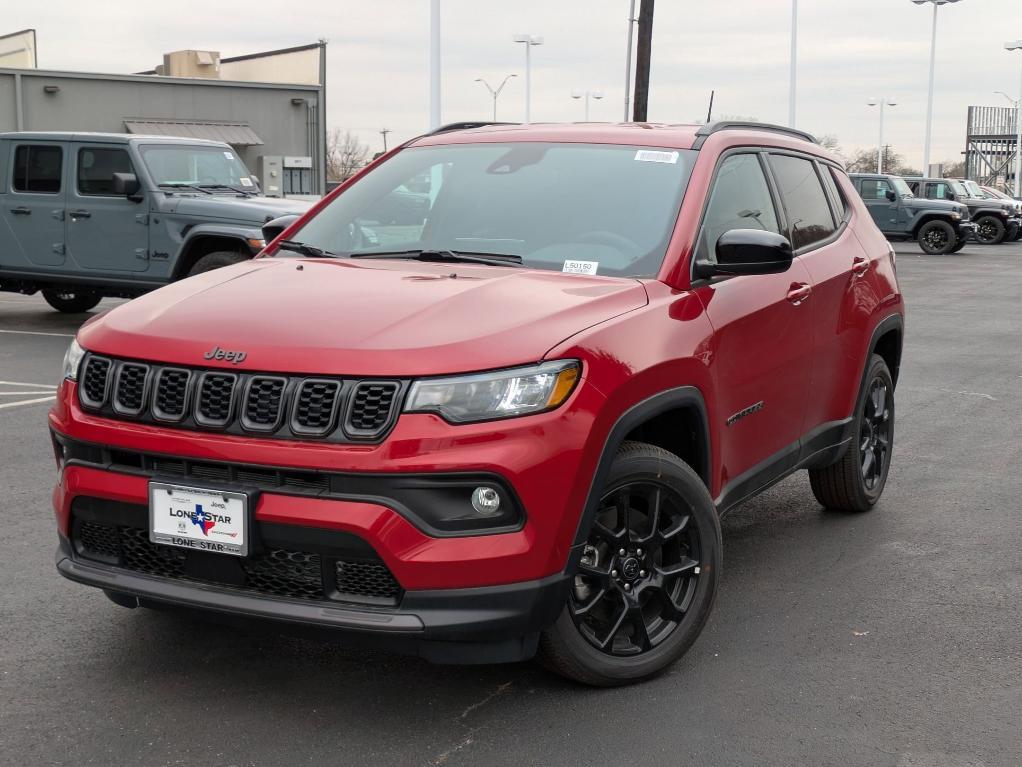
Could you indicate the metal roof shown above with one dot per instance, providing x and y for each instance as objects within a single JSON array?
[{"x": 236, "y": 134}]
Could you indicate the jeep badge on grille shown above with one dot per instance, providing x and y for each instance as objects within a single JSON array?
[{"x": 216, "y": 353}]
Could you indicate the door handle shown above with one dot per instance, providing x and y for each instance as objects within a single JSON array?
[
  {"x": 22, "y": 211},
  {"x": 798, "y": 292},
  {"x": 79, "y": 214},
  {"x": 860, "y": 266}
]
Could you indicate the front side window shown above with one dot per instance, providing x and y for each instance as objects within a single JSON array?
[
  {"x": 96, "y": 169},
  {"x": 740, "y": 200},
  {"x": 207, "y": 167},
  {"x": 809, "y": 214},
  {"x": 590, "y": 208},
  {"x": 37, "y": 168},
  {"x": 875, "y": 189}
]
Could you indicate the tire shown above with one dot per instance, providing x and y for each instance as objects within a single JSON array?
[
  {"x": 216, "y": 260},
  {"x": 70, "y": 302},
  {"x": 847, "y": 485},
  {"x": 990, "y": 230},
  {"x": 962, "y": 242},
  {"x": 937, "y": 238},
  {"x": 656, "y": 509}
]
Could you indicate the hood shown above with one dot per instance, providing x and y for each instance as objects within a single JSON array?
[
  {"x": 226, "y": 207},
  {"x": 925, "y": 202},
  {"x": 378, "y": 318}
]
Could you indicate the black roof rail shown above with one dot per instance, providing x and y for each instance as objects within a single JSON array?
[
  {"x": 463, "y": 126},
  {"x": 715, "y": 127}
]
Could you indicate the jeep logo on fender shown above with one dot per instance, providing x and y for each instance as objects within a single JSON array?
[{"x": 216, "y": 353}]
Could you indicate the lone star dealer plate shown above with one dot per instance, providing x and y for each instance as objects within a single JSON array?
[{"x": 198, "y": 518}]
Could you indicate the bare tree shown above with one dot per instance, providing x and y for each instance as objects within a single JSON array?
[
  {"x": 345, "y": 154},
  {"x": 829, "y": 141},
  {"x": 865, "y": 161}
]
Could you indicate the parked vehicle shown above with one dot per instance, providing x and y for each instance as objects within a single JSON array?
[
  {"x": 995, "y": 220},
  {"x": 88, "y": 215},
  {"x": 516, "y": 430},
  {"x": 995, "y": 194},
  {"x": 940, "y": 227}
]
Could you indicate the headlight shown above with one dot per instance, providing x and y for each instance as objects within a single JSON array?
[
  {"x": 1005, "y": 213},
  {"x": 498, "y": 394},
  {"x": 72, "y": 361},
  {"x": 955, "y": 215}
]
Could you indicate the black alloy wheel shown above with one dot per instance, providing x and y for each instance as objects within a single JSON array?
[
  {"x": 645, "y": 578},
  {"x": 875, "y": 434},
  {"x": 990, "y": 230},
  {"x": 639, "y": 570},
  {"x": 937, "y": 238},
  {"x": 71, "y": 302}
]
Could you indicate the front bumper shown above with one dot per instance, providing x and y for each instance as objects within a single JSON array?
[
  {"x": 966, "y": 230},
  {"x": 480, "y": 625}
]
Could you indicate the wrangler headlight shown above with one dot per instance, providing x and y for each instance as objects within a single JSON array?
[
  {"x": 72, "y": 361},
  {"x": 497, "y": 394}
]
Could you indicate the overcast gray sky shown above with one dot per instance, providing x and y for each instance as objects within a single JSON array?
[{"x": 378, "y": 57}]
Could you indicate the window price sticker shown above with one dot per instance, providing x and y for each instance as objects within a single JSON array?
[{"x": 580, "y": 267}]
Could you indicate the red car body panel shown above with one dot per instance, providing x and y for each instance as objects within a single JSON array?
[{"x": 737, "y": 342}]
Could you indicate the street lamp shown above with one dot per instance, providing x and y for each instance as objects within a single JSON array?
[
  {"x": 880, "y": 143},
  {"x": 793, "y": 63},
  {"x": 586, "y": 94},
  {"x": 528, "y": 41},
  {"x": 1015, "y": 46},
  {"x": 628, "y": 61},
  {"x": 933, "y": 62},
  {"x": 495, "y": 93}
]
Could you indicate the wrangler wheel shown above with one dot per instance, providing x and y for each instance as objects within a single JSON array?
[
  {"x": 647, "y": 575},
  {"x": 990, "y": 230},
  {"x": 71, "y": 302},
  {"x": 937, "y": 238}
]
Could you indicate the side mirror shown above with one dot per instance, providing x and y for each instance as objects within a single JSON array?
[
  {"x": 126, "y": 184},
  {"x": 891, "y": 196},
  {"x": 273, "y": 228},
  {"x": 748, "y": 251}
]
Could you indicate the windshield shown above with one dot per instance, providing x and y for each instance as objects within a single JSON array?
[
  {"x": 959, "y": 189},
  {"x": 974, "y": 190},
  {"x": 587, "y": 208},
  {"x": 196, "y": 165},
  {"x": 901, "y": 187}
]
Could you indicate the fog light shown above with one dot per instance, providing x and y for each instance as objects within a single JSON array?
[{"x": 486, "y": 500}]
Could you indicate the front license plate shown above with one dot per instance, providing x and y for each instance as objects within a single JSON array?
[{"x": 198, "y": 518}]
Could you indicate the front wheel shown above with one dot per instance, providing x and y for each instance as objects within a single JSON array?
[
  {"x": 856, "y": 482},
  {"x": 70, "y": 302},
  {"x": 990, "y": 230},
  {"x": 937, "y": 238},
  {"x": 647, "y": 576},
  {"x": 216, "y": 260}
]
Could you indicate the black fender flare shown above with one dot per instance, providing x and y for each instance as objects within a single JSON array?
[
  {"x": 891, "y": 322},
  {"x": 670, "y": 399}
]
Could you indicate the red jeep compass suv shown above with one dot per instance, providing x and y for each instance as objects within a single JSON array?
[{"x": 506, "y": 426}]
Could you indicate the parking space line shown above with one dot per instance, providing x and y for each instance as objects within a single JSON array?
[
  {"x": 38, "y": 333},
  {"x": 28, "y": 402},
  {"x": 16, "y": 393},
  {"x": 32, "y": 385}
]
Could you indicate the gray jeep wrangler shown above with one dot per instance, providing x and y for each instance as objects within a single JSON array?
[
  {"x": 939, "y": 226},
  {"x": 89, "y": 215}
]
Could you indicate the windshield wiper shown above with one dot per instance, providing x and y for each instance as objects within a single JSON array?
[
  {"x": 239, "y": 190},
  {"x": 443, "y": 254},
  {"x": 305, "y": 249},
  {"x": 176, "y": 185}
]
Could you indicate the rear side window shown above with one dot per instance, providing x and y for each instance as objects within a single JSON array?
[
  {"x": 875, "y": 189},
  {"x": 740, "y": 200},
  {"x": 829, "y": 181},
  {"x": 96, "y": 169},
  {"x": 804, "y": 200},
  {"x": 37, "y": 169}
]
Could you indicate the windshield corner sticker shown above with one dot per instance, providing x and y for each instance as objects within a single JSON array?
[
  {"x": 228, "y": 155},
  {"x": 580, "y": 267},
  {"x": 652, "y": 155},
  {"x": 245, "y": 181}
]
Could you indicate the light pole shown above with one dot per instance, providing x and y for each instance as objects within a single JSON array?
[
  {"x": 495, "y": 93},
  {"x": 586, "y": 94},
  {"x": 1014, "y": 46},
  {"x": 793, "y": 76},
  {"x": 528, "y": 41},
  {"x": 628, "y": 61},
  {"x": 434, "y": 64},
  {"x": 880, "y": 142},
  {"x": 933, "y": 63}
]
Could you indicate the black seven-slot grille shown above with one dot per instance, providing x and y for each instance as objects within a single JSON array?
[{"x": 284, "y": 407}]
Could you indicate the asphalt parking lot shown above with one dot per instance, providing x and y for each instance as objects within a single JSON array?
[{"x": 891, "y": 638}]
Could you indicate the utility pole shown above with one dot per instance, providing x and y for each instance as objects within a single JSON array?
[
  {"x": 434, "y": 65},
  {"x": 628, "y": 60},
  {"x": 642, "y": 56},
  {"x": 384, "y": 133}
]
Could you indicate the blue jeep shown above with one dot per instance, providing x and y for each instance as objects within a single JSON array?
[{"x": 89, "y": 215}]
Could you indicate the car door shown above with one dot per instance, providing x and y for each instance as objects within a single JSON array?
[
  {"x": 842, "y": 300},
  {"x": 106, "y": 232},
  {"x": 762, "y": 336},
  {"x": 884, "y": 212},
  {"x": 34, "y": 205}
]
